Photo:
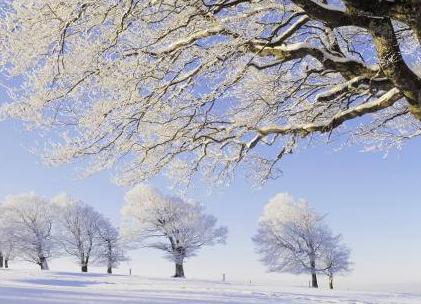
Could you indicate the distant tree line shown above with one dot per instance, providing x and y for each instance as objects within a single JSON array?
[
  {"x": 36, "y": 229},
  {"x": 291, "y": 236}
]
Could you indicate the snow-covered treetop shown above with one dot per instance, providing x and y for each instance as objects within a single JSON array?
[
  {"x": 283, "y": 212},
  {"x": 282, "y": 207},
  {"x": 29, "y": 209}
]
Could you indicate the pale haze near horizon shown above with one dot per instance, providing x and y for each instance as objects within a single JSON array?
[{"x": 373, "y": 201}]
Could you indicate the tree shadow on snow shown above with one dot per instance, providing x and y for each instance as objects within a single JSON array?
[
  {"x": 58, "y": 282},
  {"x": 84, "y": 274}
]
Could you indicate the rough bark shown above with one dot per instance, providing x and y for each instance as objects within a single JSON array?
[
  {"x": 391, "y": 61},
  {"x": 377, "y": 19},
  {"x": 179, "y": 270},
  {"x": 84, "y": 264},
  {"x": 43, "y": 263},
  {"x": 314, "y": 283},
  {"x": 110, "y": 255},
  {"x": 330, "y": 282}
]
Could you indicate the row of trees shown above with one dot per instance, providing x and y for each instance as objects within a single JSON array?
[
  {"x": 294, "y": 238},
  {"x": 291, "y": 236},
  {"x": 36, "y": 229}
]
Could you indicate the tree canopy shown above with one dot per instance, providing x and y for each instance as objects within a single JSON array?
[{"x": 211, "y": 86}]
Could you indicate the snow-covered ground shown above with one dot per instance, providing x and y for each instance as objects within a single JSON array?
[{"x": 35, "y": 287}]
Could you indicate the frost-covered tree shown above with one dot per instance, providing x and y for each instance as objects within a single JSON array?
[
  {"x": 201, "y": 86},
  {"x": 30, "y": 221},
  {"x": 170, "y": 224},
  {"x": 78, "y": 229},
  {"x": 292, "y": 237},
  {"x": 335, "y": 259},
  {"x": 111, "y": 249}
]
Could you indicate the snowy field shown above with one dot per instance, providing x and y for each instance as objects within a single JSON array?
[{"x": 35, "y": 287}]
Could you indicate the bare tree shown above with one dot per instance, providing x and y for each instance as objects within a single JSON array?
[
  {"x": 78, "y": 229},
  {"x": 202, "y": 86},
  {"x": 111, "y": 250},
  {"x": 292, "y": 237},
  {"x": 336, "y": 259},
  {"x": 30, "y": 220},
  {"x": 169, "y": 224}
]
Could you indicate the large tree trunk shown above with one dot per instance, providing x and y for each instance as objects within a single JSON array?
[
  {"x": 84, "y": 268},
  {"x": 330, "y": 281},
  {"x": 314, "y": 283},
  {"x": 43, "y": 263},
  {"x": 84, "y": 263},
  {"x": 1, "y": 259},
  {"x": 6, "y": 263},
  {"x": 179, "y": 254},
  {"x": 110, "y": 255},
  {"x": 179, "y": 270},
  {"x": 314, "y": 280}
]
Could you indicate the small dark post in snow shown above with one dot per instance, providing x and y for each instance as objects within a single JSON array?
[
  {"x": 223, "y": 277},
  {"x": 130, "y": 271}
]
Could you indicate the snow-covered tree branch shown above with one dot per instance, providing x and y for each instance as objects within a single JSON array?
[
  {"x": 182, "y": 87},
  {"x": 170, "y": 224}
]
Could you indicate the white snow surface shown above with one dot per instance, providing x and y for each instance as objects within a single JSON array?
[{"x": 35, "y": 287}]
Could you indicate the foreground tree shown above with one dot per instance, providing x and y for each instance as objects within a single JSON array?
[
  {"x": 169, "y": 224},
  {"x": 335, "y": 259},
  {"x": 292, "y": 237},
  {"x": 78, "y": 229},
  {"x": 30, "y": 219},
  {"x": 111, "y": 250},
  {"x": 201, "y": 86}
]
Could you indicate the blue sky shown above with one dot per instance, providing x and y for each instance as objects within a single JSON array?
[{"x": 373, "y": 201}]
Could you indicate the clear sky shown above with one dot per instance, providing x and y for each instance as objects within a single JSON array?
[{"x": 373, "y": 201}]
